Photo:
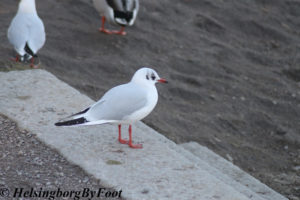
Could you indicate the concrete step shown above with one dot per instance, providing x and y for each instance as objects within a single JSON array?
[
  {"x": 36, "y": 99},
  {"x": 228, "y": 173}
]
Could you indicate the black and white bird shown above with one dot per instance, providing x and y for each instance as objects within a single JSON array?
[
  {"x": 119, "y": 12},
  {"x": 26, "y": 32},
  {"x": 123, "y": 104}
]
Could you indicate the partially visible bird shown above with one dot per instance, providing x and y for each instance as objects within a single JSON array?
[
  {"x": 119, "y": 12},
  {"x": 123, "y": 104},
  {"x": 26, "y": 32}
]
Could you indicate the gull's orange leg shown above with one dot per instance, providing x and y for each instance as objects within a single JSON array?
[
  {"x": 120, "y": 138},
  {"x": 17, "y": 59},
  {"x": 120, "y": 32},
  {"x": 103, "y": 30},
  {"x": 134, "y": 146},
  {"x": 32, "y": 64}
]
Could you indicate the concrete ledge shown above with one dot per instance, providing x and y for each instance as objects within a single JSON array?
[
  {"x": 229, "y": 173},
  {"x": 161, "y": 170}
]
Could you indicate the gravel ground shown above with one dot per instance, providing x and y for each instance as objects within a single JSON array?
[{"x": 27, "y": 163}]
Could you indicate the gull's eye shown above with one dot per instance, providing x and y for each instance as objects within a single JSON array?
[
  {"x": 153, "y": 77},
  {"x": 147, "y": 77}
]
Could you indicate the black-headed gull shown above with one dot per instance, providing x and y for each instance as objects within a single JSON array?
[
  {"x": 120, "y": 12},
  {"x": 26, "y": 32},
  {"x": 123, "y": 104}
]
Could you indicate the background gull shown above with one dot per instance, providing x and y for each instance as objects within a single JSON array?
[
  {"x": 120, "y": 12},
  {"x": 26, "y": 32}
]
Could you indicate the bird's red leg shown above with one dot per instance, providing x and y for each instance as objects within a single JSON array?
[
  {"x": 134, "y": 146},
  {"x": 16, "y": 59},
  {"x": 102, "y": 29},
  {"x": 32, "y": 64},
  {"x": 120, "y": 32},
  {"x": 120, "y": 138}
]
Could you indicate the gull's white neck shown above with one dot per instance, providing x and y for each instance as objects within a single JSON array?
[
  {"x": 143, "y": 83},
  {"x": 27, "y": 6}
]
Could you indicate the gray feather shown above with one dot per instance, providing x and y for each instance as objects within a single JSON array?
[{"x": 118, "y": 103}]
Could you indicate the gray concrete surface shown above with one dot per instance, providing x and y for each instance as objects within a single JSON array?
[
  {"x": 161, "y": 170},
  {"x": 229, "y": 173}
]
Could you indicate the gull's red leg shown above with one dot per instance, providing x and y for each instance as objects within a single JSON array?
[
  {"x": 17, "y": 59},
  {"x": 102, "y": 29},
  {"x": 120, "y": 138},
  {"x": 134, "y": 146},
  {"x": 32, "y": 64},
  {"x": 120, "y": 32}
]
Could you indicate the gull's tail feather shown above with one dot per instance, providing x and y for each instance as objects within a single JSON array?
[
  {"x": 29, "y": 51},
  {"x": 73, "y": 122}
]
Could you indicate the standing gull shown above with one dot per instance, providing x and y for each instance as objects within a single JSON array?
[
  {"x": 26, "y": 32},
  {"x": 123, "y": 104},
  {"x": 119, "y": 12}
]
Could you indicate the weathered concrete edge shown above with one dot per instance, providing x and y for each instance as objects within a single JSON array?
[{"x": 242, "y": 181}]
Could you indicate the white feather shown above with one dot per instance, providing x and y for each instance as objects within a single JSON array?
[{"x": 26, "y": 26}]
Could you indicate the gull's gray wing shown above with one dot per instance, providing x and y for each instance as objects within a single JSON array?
[{"x": 118, "y": 103}]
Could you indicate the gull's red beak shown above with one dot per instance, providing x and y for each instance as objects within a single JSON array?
[{"x": 162, "y": 80}]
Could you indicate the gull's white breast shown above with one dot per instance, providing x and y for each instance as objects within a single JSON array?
[{"x": 140, "y": 114}]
